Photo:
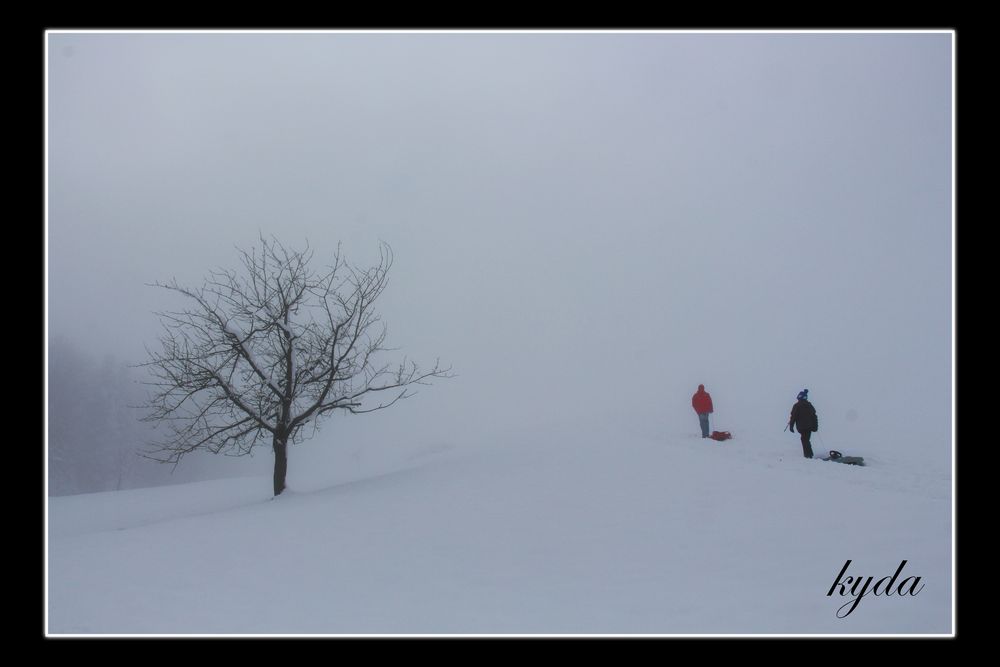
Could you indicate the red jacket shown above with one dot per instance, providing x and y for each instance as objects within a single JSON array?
[{"x": 702, "y": 401}]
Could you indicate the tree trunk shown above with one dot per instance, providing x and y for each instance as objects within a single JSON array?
[{"x": 280, "y": 464}]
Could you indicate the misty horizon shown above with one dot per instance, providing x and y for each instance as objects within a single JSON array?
[{"x": 586, "y": 226}]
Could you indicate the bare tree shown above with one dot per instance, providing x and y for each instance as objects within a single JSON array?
[{"x": 264, "y": 352}]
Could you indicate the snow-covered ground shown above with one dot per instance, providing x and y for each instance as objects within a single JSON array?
[{"x": 540, "y": 531}]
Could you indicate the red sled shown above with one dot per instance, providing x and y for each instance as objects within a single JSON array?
[{"x": 721, "y": 435}]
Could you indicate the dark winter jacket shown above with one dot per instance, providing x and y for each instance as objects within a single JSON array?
[
  {"x": 702, "y": 401},
  {"x": 803, "y": 417}
]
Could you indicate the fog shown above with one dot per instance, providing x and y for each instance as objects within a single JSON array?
[{"x": 586, "y": 226}]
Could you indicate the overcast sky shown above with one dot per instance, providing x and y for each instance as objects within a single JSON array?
[{"x": 585, "y": 225}]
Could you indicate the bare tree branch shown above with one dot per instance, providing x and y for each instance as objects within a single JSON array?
[{"x": 267, "y": 350}]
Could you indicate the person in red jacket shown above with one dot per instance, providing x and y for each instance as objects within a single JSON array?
[{"x": 702, "y": 404}]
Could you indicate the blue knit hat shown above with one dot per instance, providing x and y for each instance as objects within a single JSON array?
[{"x": 804, "y": 394}]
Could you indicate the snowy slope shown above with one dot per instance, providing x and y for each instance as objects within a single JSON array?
[{"x": 549, "y": 532}]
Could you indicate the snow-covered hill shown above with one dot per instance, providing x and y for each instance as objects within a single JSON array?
[{"x": 547, "y": 532}]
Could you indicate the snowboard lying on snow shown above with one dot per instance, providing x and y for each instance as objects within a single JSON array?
[{"x": 840, "y": 458}]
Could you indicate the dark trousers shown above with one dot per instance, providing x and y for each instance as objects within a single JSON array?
[
  {"x": 703, "y": 420},
  {"x": 807, "y": 449}
]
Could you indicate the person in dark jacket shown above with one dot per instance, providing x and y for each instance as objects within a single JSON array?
[
  {"x": 702, "y": 404},
  {"x": 804, "y": 417}
]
